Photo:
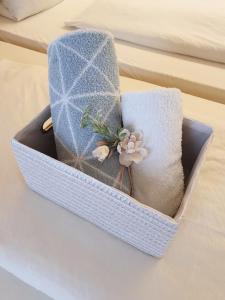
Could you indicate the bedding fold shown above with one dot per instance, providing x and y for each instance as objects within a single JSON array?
[
  {"x": 193, "y": 28},
  {"x": 74, "y": 262}
]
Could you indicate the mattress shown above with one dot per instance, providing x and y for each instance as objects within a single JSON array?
[
  {"x": 67, "y": 258},
  {"x": 194, "y": 76}
]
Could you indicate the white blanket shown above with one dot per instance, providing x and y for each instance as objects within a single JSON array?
[
  {"x": 195, "y": 28},
  {"x": 68, "y": 258}
]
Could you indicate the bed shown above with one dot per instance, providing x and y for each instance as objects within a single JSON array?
[
  {"x": 12, "y": 288},
  {"x": 44, "y": 246},
  {"x": 194, "y": 76}
]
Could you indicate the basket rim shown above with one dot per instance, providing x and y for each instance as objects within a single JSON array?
[{"x": 93, "y": 181}]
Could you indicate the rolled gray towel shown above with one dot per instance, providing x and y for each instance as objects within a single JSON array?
[{"x": 83, "y": 73}]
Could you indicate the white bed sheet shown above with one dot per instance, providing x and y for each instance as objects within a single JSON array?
[
  {"x": 37, "y": 31},
  {"x": 12, "y": 288},
  {"x": 68, "y": 258},
  {"x": 23, "y": 55},
  {"x": 194, "y": 28},
  {"x": 191, "y": 75}
]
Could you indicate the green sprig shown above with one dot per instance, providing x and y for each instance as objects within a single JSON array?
[
  {"x": 97, "y": 125},
  {"x": 85, "y": 120}
]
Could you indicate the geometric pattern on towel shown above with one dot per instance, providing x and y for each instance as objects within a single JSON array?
[{"x": 83, "y": 72}]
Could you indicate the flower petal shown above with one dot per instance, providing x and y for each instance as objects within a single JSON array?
[
  {"x": 136, "y": 157},
  {"x": 124, "y": 160},
  {"x": 133, "y": 138},
  {"x": 119, "y": 148},
  {"x": 125, "y": 133},
  {"x": 139, "y": 135},
  {"x": 130, "y": 147},
  {"x": 143, "y": 152},
  {"x": 124, "y": 143},
  {"x": 138, "y": 145},
  {"x": 101, "y": 152}
]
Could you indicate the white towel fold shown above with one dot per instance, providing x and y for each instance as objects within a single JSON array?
[{"x": 158, "y": 180}]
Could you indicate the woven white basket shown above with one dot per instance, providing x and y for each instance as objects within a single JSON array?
[{"x": 121, "y": 215}]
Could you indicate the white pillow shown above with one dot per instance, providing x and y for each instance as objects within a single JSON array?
[
  {"x": 4, "y": 11},
  {"x": 21, "y": 9}
]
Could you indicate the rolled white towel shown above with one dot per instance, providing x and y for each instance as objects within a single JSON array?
[{"x": 158, "y": 180}]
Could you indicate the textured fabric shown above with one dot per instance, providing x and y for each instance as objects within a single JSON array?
[
  {"x": 191, "y": 75},
  {"x": 4, "y": 11},
  {"x": 185, "y": 27},
  {"x": 157, "y": 180},
  {"x": 12, "y": 288},
  {"x": 18, "y": 10},
  {"x": 22, "y": 55},
  {"x": 67, "y": 257},
  {"x": 83, "y": 73},
  {"x": 117, "y": 213}
]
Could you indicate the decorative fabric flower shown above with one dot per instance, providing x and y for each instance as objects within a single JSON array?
[
  {"x": 131, "y": 148},
  {"x": 128, "y": 144},
  {"x": 101, "y": 153}
]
